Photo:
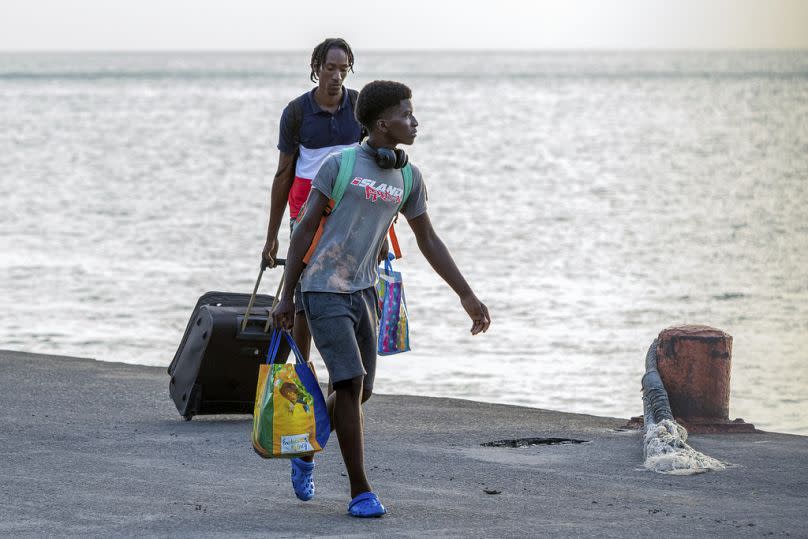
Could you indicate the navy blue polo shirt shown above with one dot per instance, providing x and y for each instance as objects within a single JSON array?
[{"x": 321, "y": 133}]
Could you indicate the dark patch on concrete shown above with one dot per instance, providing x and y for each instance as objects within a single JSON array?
[{"x": 529, "y": 442}]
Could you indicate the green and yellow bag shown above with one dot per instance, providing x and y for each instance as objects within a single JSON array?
[{"x": 290, "y": 417}]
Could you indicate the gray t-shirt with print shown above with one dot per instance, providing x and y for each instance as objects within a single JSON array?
[{"x": 345, "y": 259}]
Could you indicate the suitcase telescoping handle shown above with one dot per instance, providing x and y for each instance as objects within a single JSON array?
[{"x": 278, "y": 262}]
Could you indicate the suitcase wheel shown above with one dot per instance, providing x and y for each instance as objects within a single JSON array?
[{"x": 188, "y": 417}]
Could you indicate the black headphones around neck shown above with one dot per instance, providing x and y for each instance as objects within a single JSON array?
[{"x": 387, "y": 158}]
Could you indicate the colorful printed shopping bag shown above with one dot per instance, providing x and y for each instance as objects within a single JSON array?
[
  {"x": 394, "y": 330},
  {"x": 290, "y": 417}
]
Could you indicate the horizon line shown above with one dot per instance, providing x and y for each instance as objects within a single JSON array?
[{"x": 409, "y": 51}]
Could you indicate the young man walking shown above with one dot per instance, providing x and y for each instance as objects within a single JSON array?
[
  {"x": 312, "y": 126},
  {"x": 338, "y": 283}
]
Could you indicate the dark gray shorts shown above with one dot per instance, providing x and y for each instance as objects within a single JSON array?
[{"x": 343, "y": 327}]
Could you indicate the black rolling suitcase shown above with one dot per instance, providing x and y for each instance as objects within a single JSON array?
[{"x": 215, "y": 369}]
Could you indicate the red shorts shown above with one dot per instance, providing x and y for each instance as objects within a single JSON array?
[{"x": 298, "y": 194}]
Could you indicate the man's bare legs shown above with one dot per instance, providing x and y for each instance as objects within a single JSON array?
[
  {"x": 350, "y": 427},
  {"x": 348, "y": 420}
]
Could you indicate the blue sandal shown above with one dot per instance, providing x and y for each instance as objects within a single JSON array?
[
  {"x": 302, "y": 481},
  {"x": 366, "y": 505}
]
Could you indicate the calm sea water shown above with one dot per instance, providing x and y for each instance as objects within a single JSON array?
[{"x": 591, "y": 200}]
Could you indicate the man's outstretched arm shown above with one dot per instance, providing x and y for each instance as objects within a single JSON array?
[
  {"x": 281, "y": 185},
  {"x": 441, "y": 261}
]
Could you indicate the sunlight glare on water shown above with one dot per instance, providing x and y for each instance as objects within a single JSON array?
[{"x": 590, "y": 199}]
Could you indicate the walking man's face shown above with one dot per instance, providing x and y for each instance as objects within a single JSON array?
[
  {"x": 333, "y": 71},
  {"x": 400, "y": 124}
]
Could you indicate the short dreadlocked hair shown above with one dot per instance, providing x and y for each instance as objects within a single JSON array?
[
  {"x": 376, "y": 97},
  {"x": 320, "y": 51}
]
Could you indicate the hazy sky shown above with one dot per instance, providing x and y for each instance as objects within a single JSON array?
[{"x": 414, "y": 24}]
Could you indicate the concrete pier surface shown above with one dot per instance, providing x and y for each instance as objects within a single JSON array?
[{"x": 89, "y": 448}]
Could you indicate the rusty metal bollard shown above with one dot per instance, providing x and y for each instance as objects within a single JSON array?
[{"x": 694, "y": 364}]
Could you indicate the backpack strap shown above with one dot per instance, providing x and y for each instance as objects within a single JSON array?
[
  {"x": 394, "y": 241},
  {"x": 406, "y": 173},
  {"x": 346, "y": 167},
  {"x": 296, "y": 117},
  {"x": 353, "y": 95}
]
